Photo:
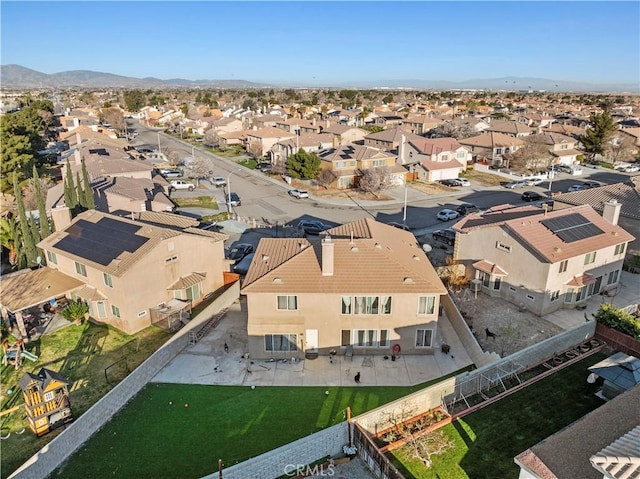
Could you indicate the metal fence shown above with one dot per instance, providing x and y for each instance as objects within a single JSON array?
[{"x": 377, "y": 462}]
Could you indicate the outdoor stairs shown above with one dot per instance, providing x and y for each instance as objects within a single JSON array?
[{"x": 195, "y": 336}]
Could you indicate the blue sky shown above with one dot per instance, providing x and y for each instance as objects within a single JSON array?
[{"x": 327, "y": 42}]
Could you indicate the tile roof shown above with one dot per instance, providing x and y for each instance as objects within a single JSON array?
[
  {"x": 525, "y": 224},
  {"x": 508, "y": 126},
  {"x": 566, "y": 454},
  {"x": 491, "y": 140},
  {"x": 166, "y": 219},
  {"x": 621, "y": 458},
  {"x": 435, "y": 146},
  {"x": 392, "y": 135},
  {"x": 187, "y": 281},
  {"x": 489, "y": 267},
  {"x": 441, "y": 165},
  {"x": 150, "y": 237},
  {"x": 368, "y": 257},
  {"x": 626, "y": 193},
  {"x": 571, "y": 152},
  {"x": 269, "y": 132},
  {"x": 353, "y": 152}
]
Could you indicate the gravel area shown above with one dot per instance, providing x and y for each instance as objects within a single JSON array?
[{"x": 354, "y": 469}]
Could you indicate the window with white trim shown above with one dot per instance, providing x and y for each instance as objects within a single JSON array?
[
  {"x": 115, "y": 311},
  {"x": 365, "y": 338},
  {"x": 426, "y": 304},
  {"x": 377, "y": 163},
  {"x": 619, "y": 248},
  {"x": 423, "y": 338},
  {"x": 49, "y": 395},
  {"x": 52, "y": 258},
  {"x": 590, "y": 257},
  {"x": 555, "y": 296},
  {"x": 568, "y": 296},
  {"x": 171, "y": 259},
  {"x": 108, "y": 280},
  {"x": 366, "y": 305},
  {"x": 280, "y": 342},
  {"x": 287, "y": 303},
  {"x": 385, "y": 336},
  {"x": 385, "y": 305},
  {"x": 503, "y": 247},
  {"x": 81, "y": 269},
  {"x": 613, "y": 277},
  {"x": 563, "y": 266},
  {"x": 346, "y": 305}
]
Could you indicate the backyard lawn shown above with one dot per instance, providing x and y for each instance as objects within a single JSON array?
[
  {"x": 487, "y": 440},
  {"x": 81, "y": 354}
]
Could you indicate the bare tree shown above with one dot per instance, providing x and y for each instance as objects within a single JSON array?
[
  {"x": 115, "y": 118},
  {"x": 375, "y": 180},
  {"x": 533, "y": 156},
  {"x": 621, "y": 149},
  {"x": 508, "y": 338},
  {"x": 458, "y": 131},
  {"x": 200, "y": 168},
  {"x": 211, "y": 137},
  {"x": 325, "y": 178}
]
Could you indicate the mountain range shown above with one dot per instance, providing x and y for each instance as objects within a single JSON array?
[{"x": 17, "y": 76}]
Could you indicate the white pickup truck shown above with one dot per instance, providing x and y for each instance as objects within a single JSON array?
[{"x": 181, "y": 185}]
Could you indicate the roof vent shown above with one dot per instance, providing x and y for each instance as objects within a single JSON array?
[
  {"x": 277, "y": 280},
  {"x": 378, "y": 246},
  {"x": 265, "y": 257},
  {"x": 416, "y": 257},
  {"x": 557, "y": 249},
  {"x": 407, "y": 280},
  {"x": 354, "y": 249}
]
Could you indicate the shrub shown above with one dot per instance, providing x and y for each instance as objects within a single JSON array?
[
  {"x": 75, "y": 311},
  {"x": 619, "y": 320}
]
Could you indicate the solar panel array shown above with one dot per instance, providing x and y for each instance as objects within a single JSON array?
[
  {"x": 101, "y": 242},
  {"x": 572, "y": 227}
]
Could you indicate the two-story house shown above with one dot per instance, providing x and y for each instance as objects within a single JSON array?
[
  {"x": 388, "y": 140},
  {"x": 309, "y": 142},
  {"x": 344, "y": 134},
  {"x": 491, "y": 146},
  {"x": 364, "y": 285},
  {"x": 542, "y": 260},
  {"x": 433, "y": 159},
  {"x": 135, "y": 273},
  {"x": 259, "y": 142},
  {"x": 420, "y": 124},
  {"x": 346, "y": 162},
  {"x": 562, "y": 148},
  {"x": 510, "y": 128}
]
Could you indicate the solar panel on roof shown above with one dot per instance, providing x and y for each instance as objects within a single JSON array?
[
  {"x": 101, "y": 242},
  {"x": 572, "y": 227}
]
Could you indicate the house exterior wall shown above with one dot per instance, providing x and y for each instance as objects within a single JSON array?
[
  {"x": 323, "y": 312},
  {"x": 150, "y": 277},
  {"x": 531, "y": 282}
]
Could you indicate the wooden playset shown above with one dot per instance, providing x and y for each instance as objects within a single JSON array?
[{"x": 46, "y": 400}]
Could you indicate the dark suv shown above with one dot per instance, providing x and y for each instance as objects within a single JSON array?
[
  {"x": 447, "y": 236},
  {"x": 466, "y": 209}
]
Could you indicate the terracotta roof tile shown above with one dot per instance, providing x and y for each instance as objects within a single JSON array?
[
  {"x": 368, "y": 257},
  {"x": 627, "y": 194}
]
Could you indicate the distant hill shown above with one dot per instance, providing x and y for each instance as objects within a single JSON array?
[{"x": 16, "y": 76}]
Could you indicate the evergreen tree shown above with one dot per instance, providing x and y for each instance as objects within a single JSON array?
[
  {"x": 81, "y": 194},
  {"x": 600, "y": 131},
  {"x": 28, "y": 242},
  {"x": 88, "y": 191},
  {"x": 303, "y": 165},
  {"x": 45, "y": 228},
  {"x": 70, "y": 193}
]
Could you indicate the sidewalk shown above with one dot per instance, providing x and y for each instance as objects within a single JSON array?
[{"x": 206, "y": 362}]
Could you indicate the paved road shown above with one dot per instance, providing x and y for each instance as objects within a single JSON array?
[{"x": 266, "y": 198}]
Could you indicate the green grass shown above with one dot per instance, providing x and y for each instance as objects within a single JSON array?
[
  {"x": 250, "y": 163},
  {"x": 198, "y": 201},
  {"x": 487, "y": 440},
  {"x": 153, "y": 438},
  {"x": 80, "y": 354}
]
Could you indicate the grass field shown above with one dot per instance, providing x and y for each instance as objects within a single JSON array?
[
  {"x": 81, "y": 354},
  {"x": 487, "y": 440}
]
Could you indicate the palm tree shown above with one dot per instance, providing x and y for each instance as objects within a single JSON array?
[{"x": 9, "y": 238}]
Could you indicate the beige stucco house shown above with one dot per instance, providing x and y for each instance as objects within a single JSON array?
[
  {"x": 136, "y": 273},
  {"x": 491, "y": 146},
  {"x": 259, "y": 142},
  {"x": 433, "y": 159},
  {"x": 364, "y": 287},
  {"x": 542, "y": 260}
]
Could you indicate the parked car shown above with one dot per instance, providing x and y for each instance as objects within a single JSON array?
[
  {"x": 467, "y": 208},
  {"x": 565, "y": 168},
  {"x": 530, "y": 196},
  {"x": 462, "y": 182},
  {"x": 298, "y": 193},
  {"x": 595, "y": 166},
  {"x": 264, "y": 167},
  {"x": 447, "y": 236},
  {"x": 399, "y": 226},
  {"x": 533, "y": 181},
  {"x": 573, "y": 188},
  {"x": 592, "y": 184},
  {"x": 170, "y": 173},
  {"x": 447, "y": 214},
  {"x": 239, "y": 251},
  {"x": 450, "y": 183},
  {"x": 181, "y": 185},
  {"x": 312, "y": 227},
  {"x": 242, "y": 267},
  {"x": 515, "y": 184},
  {"x": 234, "y": 199},
  {"x": 218, "y": 181},
  {"x": 629, "y": 168}
]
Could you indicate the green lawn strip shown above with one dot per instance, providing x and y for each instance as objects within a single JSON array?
[
  {"x": 152, "y": 438},
  {"x": 487, "y": 440},
  {"x": 199, "y": 201},
  {"x": 80, "y": 354}
]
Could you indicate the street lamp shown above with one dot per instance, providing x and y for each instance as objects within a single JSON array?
[
  {"x": 159, "y": 149},
  {"x": 404, "y": 214}
]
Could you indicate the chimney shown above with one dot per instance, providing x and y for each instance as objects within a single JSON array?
[
  {"x": 76, "y": 122},
  {"x": 611, "y": 211},
  {"x": 327, "y": 256},
  {"x": 61, "y": 217},
  {"x": 77, "y": 157},
  {"x": 78, "y": 139}
]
